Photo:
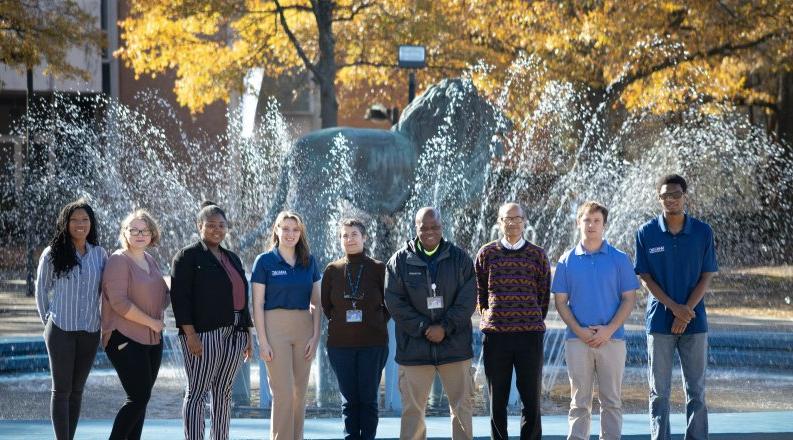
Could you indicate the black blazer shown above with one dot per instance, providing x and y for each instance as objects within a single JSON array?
[{"x": 201, "y": 289}]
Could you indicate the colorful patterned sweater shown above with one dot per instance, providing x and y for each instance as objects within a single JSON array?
[{"x": 513, "y": 288}]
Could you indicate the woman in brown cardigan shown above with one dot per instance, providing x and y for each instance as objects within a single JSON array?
[
  {"x": 134, "y": 297},
  {"x": 352, "y": 300}
]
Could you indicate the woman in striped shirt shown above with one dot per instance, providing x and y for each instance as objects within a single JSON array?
[{"x": 67, "y": 298}]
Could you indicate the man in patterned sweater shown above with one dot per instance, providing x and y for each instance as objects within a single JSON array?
[{"x": 513, "y": 280}]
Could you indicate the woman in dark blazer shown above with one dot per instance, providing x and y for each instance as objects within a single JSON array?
[{"x": 209, "y": 295}]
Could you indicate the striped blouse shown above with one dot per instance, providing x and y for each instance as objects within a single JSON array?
[{"x": 71, "y": 300}]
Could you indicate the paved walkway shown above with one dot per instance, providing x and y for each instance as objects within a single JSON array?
[
  {"x": 724, "y": 426},
  {"x": 18, "y": 318}
]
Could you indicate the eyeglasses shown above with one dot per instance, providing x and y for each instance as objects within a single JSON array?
[
  {"x": 516, "y": 219},
  {"x": 135, "y": 232},
  {"x": 671, "y": 196}
]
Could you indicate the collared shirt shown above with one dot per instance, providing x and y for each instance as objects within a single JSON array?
[
  {"x": 594, "y": 283},
  {"x": 513, "y": 247},
  {"x": 287, "y": 287},
  {"x": 72, "y": 299},
  {"x": 676, "y": 262}
]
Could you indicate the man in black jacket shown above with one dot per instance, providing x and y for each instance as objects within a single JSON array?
[{"x": 431, "y": 293}]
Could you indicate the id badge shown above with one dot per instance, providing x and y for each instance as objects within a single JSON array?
[
  {"x": 354, "y": 315},
  {"x": 434, "y": 302}
]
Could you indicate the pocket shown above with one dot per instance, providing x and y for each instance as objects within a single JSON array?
[
  {"x": 209, "y": 269},
  {"x": 118, "y": 341},
  {"x": 47, "y": 327},
  {"x": 472, "y": 381},
  {"x": 402, "y": 342},
  {"x": 401, "y": 381}
]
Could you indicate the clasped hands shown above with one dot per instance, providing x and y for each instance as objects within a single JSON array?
[
  {"x": 435, "y": 333},
  {"x": 683, "y": 315},
  {"x": 595, "y": 335}
]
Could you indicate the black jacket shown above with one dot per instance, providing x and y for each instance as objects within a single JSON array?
[
  {"x": 201, "y": 289},
  {"x": 407, "y": 286}
]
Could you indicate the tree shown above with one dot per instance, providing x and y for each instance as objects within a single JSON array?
[
  {"x": 647, "y": 54},
  {"x": 212, "y": 44},
  {"x": 38, "y": 32},
  {"x": 638, "y": 55}
]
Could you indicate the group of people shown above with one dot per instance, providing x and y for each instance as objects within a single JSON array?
[{"x": 429, "y": 287}]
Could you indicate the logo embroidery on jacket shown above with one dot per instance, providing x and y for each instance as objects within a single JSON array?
[{"x": 655, "y": 250}]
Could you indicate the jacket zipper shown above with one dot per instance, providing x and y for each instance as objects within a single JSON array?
[{"x": 432, "y": 316}]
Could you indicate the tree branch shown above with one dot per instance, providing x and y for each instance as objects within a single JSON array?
[
  {"x": 354, "y": 11},
  {"x": 396, "y": 66},
  {"x": 293, "y": 39},
  {"x": 301, "y": 8},
  {"x": 742, "y": 101},
  {"x": 620, "y": 85}
]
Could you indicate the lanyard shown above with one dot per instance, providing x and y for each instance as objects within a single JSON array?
[{"x": 353, "y": 289}]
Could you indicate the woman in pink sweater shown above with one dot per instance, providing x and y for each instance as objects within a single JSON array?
[{"x": 134, "y": 297}]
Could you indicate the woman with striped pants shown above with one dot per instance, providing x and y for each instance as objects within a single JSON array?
[{"x": 210, "y": 305}]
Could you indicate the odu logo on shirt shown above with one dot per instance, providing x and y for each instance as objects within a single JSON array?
[
  {"x": 276, "y": 273},
  {"x": 656, "y": 249}
]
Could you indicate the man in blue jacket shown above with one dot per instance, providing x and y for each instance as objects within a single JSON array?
[
  {"x": 430, "y": 292},
  {"x": 676, "y": 260}
]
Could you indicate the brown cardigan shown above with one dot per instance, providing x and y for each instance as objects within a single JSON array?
[{"x": 372, "y": 331}]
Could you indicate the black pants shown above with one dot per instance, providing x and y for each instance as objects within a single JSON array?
[
  {"x": 524, "y": 352},
  {"x": 137, "y": 366},
  {"x": 71, "y": 356}
]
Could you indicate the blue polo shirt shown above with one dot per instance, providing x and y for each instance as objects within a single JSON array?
[
  {"x": 287, "y": 287},
  {"x": 676, "y": 263},
  {"x": 594, "y": 283}
]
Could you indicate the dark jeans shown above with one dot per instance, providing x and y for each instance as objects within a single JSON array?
[
  {"x": 137, "y": 366},
  {"x": 71, "y": 356},
  {"x": 359, "y": 370},
  {"x": 502, "y": 352}
]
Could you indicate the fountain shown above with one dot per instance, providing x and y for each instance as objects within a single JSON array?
[{"x": 451, "y": 149}]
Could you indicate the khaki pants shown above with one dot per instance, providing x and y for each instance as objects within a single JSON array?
[
  {"x": 583, "y": 364},
  {"x": 288, "y": 332},
  {"x": 414, "y": 385}
]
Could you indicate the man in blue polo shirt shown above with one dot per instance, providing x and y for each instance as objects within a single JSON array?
[
  {"x": 594, "y": 290},
  {"x": 676, "y": 260}
]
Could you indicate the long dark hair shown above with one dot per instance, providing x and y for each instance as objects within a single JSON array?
[{"x": 62, "y": 251}]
